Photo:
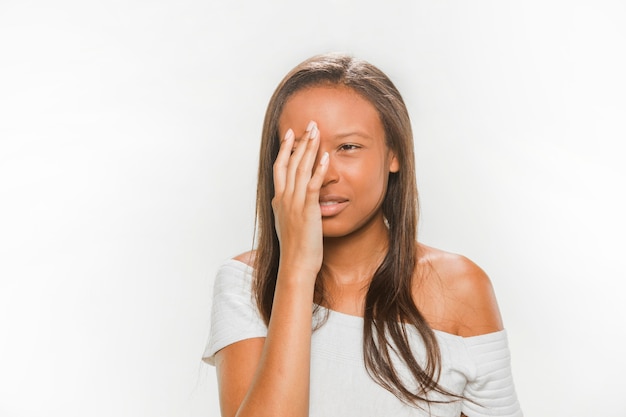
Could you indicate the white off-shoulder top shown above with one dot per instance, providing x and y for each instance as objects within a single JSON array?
[{"x": 476, "y": 367}]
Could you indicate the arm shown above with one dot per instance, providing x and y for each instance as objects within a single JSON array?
[
  {"x": 270, "y": 377},
  {"x": 479, "y": 311},
  {"x": 473, "y": 309}
]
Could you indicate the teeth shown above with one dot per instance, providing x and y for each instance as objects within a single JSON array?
[{"x": 328, "y": 203}]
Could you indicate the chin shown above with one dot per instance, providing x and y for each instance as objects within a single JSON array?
[
  {"x": 333, "y": 231},
  {"x": 339, "y": 230},
  {"x": 333, "y": 234}
]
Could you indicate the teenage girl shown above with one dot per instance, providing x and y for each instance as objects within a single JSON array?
[{"x": 339, "y": 311}]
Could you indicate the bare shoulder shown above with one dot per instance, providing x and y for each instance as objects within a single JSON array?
[
  {"x": 465, "y": 289},
  {"x": 458, "y": 272},
  {"x": 246, "y": 257}
]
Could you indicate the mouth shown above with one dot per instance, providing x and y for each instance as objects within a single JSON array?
[{"x": 332, "y": 205}]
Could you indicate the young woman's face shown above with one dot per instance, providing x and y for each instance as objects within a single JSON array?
[{"x": 360, "y": 162}]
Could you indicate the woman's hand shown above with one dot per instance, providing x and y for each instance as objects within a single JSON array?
[
  {"x": 297, "y": 184},
  {"x": 271, "y": 376}
]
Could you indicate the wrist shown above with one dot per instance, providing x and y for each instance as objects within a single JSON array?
[{"x": 297, "y": 276}]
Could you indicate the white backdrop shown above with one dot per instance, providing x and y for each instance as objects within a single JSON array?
[{"x": 129, "y": 135}]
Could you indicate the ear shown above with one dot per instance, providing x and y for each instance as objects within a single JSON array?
[{"x": 394, "y": 164}]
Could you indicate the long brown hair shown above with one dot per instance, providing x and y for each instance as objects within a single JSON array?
[{"x": 389, "y": 306}]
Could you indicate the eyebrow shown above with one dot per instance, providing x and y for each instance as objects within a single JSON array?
[
  {"x": 353, "y": 133},
  {"x": 343, "y": 135}
]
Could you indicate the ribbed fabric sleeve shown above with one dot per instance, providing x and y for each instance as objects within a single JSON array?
[
  {"x": 491, "y": 386},
  {"x": 234, "y": 315}
]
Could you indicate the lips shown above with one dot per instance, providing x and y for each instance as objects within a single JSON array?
[{"x": 331, "y": 205}]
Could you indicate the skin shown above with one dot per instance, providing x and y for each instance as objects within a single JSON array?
[{"x": 342, "y": 161}]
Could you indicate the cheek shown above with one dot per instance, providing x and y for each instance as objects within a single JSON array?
[
  {"x": 370, "y": 177},
  {"x": 377, "y": 169}
]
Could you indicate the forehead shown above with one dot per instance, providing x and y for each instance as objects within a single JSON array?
[{"x": 332, "y": 108}]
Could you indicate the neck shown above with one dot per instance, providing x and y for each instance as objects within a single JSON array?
[{"x": 351, "y": 260}]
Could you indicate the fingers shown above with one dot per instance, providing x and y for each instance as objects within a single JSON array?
[
  {"x": 317, "y": 180},
  {"x": 282, "y": 161},
  {"x": 302, "y": 161},
  {"x": 290, "y": 154},
  {"x": 294, "y": 173}
]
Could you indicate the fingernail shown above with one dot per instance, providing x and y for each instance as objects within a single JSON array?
[
  {"x": 289, "y": 135},
  {"x": 310, "y": 126},
  {"x": 313, "y": 132},
  {"x": 324, "y": 159}
]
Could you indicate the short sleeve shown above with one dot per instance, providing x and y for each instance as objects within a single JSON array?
[
  {"x": 234, "y": 315},
  {"x": 491, "y": 387}
]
